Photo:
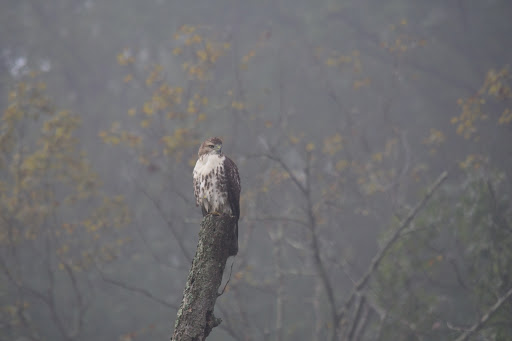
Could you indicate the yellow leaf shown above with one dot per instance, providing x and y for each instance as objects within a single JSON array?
[
  {"x": 506, "y": 117},
  {"x": 143, "y": 160},
  {"x": 144, "y": 123},
  {"x": 114, "y": 140},
  {"x": 59, "y": 132},
  {"x": 333, "y": 144},
  {"x": 63, "y": 249},
  {"x": 341, "y": 165},
  {"x": 345, "y": 59},
  {"x": 127, "y": 78},
  {"x": 310, "y": 147},
  {"x": 196, "y": 39},
  {"x": 360, "y": 83},
  {"x": 148, "y": 108},
  {"x": 331, "y": 62},
  {"x": 403, "y": 22},
  {"x": 493, "y": 89},
  {"x": 121, "y": 60},
  {"x": 237, "y": 105},
  {"x": 131, "y": 112},
  {"x": 192, "y": 110},
  {"x": 177, "y": 51},
  {"x": 202, "y": 55},
  {"x": 213, "y": 58}
]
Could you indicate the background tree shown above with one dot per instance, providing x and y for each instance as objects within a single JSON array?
[
  {"x": 56, "y": 224},
  {"x": 339, "y": 115}
]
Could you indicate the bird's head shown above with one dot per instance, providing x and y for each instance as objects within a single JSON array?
[{"x": 210, "y": 146}]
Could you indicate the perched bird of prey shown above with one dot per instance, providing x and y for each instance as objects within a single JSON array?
[{"x": 217, "y": 183}]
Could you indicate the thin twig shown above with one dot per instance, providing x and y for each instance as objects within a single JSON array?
[
  {"x": 229, "y": 278},
  {"x": 297, "y": 182},
  {"x": 169, "y": 223},
  {"x": 141, "y": 291}
]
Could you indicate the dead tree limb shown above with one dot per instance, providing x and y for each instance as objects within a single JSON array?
[{"x": 195, "y": 319}]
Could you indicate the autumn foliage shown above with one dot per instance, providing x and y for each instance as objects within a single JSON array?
[{"x": 56, "y": 223}]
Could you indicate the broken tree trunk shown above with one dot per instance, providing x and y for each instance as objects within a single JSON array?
[{"x": 195, "y": 319}]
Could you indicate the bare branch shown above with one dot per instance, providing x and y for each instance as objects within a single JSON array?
[
  {"x": 81, "y": 304},
  {"x": 305, "y": 189},
  {"x": 228, "y": 326},
  {"x": 131, "y": 288},
  {"x": 277, "y": 251},
  {"x": 278, "y": 219},
  {"x": 483, "y": 320},
  {"x": 380, "y": 255},
  {"x": 355, "y": 322},
  {"x": 227, "y": 282},
  {"x": 169, "y": 223},
  {"x": 287, "y": 169}
]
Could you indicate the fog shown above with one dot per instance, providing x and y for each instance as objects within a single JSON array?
[{"x": 373, "y": 140}]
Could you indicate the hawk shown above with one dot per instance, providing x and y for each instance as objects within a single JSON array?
[{"x": 217, "y": 183}]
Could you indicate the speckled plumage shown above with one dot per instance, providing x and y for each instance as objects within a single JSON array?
[{"x": 216, "y": 181}]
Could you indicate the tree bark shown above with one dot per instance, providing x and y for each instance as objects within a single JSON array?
[{"x": 195, "y": 319}]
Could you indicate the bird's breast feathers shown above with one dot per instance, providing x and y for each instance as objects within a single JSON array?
[{"x": 210, "y": 184}]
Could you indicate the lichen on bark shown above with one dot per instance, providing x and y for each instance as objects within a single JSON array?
[{"x": 195, "y": 319}]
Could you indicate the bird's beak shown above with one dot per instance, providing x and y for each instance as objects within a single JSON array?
[{"x": 218, "y": 148}]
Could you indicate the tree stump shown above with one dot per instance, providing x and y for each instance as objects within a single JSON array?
[{"x": 195, "y": 319}]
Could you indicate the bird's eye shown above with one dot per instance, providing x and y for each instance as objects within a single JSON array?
[{"x": 211, "y": 145}]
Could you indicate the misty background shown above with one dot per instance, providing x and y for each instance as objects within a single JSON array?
[{"x": 340, "y": 116}]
